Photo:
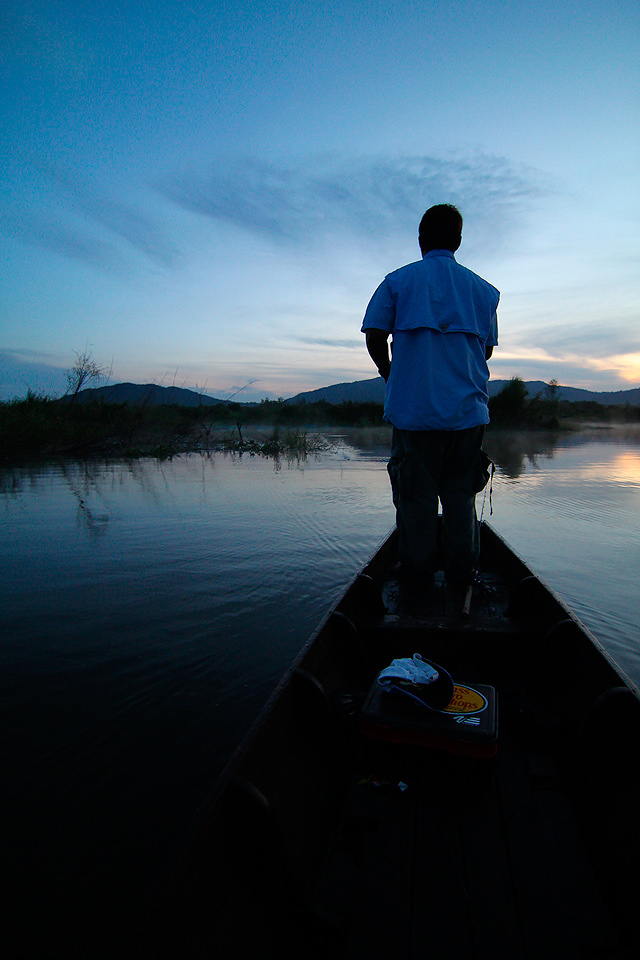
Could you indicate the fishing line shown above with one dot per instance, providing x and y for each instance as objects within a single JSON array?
[{"x": 484, "y": 498}]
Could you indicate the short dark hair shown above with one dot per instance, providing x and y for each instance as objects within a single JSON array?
[{"x": 440, "y": 228}]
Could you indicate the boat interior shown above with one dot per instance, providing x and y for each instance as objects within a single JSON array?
[{"x": 333, "y": 838}]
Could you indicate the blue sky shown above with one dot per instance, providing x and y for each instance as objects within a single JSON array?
[{"x": 207, "y": 193}]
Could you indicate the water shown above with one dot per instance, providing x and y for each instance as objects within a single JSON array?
[
  {"x": 149, "y": 608},
  {"x": 573, "y": 512}
]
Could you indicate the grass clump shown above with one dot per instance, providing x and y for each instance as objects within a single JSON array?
[
  {"x": 38, "y": 426},
  {"x": 277, "y": 443}
]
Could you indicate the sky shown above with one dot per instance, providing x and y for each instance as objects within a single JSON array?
[{"x": 206, "y": 194}]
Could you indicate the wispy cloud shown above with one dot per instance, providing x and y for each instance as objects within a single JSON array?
[
  {"x": 24, "y": 369},
  {"x": 367, "y": 198},
  {"x": 352, "y": 344},
  {"x": 595, "y": 338},
  {"x": 38, "y": 229},
  {"x": 57, "y": 210},
  {"x": 123, "y": 220},
  {"x": 321, "y": 201}
]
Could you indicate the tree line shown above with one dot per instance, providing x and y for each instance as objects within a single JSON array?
[{"x": 39, "y": 426}]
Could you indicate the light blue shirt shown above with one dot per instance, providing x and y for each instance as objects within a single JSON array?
[{"x": 442, "y": 317}]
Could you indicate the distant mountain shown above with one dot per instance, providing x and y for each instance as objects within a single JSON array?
[
  {"x": 147, "y": 394},
  {"x": 364, "y": 391},
  {"x": 576, "y": 394},
  {"x": 361, "y": 391}
]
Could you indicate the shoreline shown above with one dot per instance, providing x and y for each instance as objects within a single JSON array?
[{"x": 297, "y": 443}]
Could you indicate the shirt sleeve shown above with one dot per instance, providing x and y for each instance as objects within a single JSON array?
[
  {"x": 381, "y": 312},
  {"x": 492, "y": 339}
]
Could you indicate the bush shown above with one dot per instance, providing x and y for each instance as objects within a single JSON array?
[
  {"x": 509, "y": 406},
  {"x": 513, "y": 408}
]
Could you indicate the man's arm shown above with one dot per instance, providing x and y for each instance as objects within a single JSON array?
[
  {"x": 378, "y": 347},
  {"x": 488, "y": 347}
]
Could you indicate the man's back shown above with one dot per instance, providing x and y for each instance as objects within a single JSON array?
[{"x": 442, "y": 318}]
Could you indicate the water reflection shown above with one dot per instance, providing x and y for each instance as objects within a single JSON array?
[
  {"x": 626, "y": 467},
  {"x": 94, "y": 486},
  {"x": 150, "y": 606},
  {"x": 374, "y": 442},
  {"x": 513, "y": 452}
]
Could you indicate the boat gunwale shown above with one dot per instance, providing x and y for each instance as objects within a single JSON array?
[
  {"x": 271, "y": 702},
  {"x": 570, "y": 614}
]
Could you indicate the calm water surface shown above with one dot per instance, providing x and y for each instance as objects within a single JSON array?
[{"x": 149, "y": 608}]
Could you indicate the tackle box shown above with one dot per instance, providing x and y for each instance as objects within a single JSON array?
[{"x": 467, "y": 726}]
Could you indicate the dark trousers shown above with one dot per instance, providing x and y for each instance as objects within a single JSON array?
[{"x": 427, "y": 465}]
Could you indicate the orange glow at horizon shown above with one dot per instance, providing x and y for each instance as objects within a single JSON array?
[{"x": 626, "y": 365}]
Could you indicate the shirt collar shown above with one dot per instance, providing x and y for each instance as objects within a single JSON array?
[{"x": 438, "y": 253}]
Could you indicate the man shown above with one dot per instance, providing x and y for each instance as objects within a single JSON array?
[{"x": 443, "y": 321}]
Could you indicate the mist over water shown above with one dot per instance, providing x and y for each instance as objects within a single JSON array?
[{"x": 150, "y": 607}]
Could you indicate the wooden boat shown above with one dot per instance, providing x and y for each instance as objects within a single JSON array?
[{"x": 330, "y": 837}]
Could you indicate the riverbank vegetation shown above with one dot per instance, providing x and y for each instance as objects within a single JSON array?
[{"x": 39, "y": 426}]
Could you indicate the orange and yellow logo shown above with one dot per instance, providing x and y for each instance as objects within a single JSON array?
[{"x": 466, "y": 700}]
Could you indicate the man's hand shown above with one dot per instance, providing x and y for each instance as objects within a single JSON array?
[{"x": 378, "y": 347}]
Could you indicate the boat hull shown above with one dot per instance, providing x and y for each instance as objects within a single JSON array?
[{"x": 332, "y": 836}]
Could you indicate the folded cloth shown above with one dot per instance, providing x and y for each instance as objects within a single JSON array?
[
  {"x": 425, "y": 683},
  {"x": 415, "y": 669}
]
